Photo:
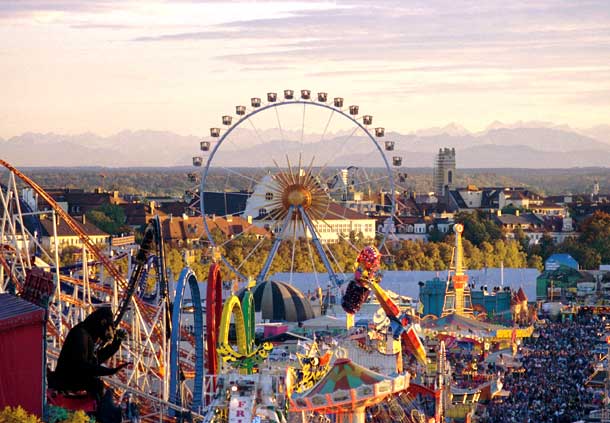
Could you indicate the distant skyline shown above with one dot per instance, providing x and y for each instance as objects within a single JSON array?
[{"x": 107, "y": 65}]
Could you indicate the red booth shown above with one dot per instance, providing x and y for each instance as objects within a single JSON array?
[{"x": 21, "y": 354}]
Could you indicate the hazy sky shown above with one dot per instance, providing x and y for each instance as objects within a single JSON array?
[{"x": 72, "y": 66}]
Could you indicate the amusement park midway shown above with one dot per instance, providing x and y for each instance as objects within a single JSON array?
[{"x": 287, "y": 286}]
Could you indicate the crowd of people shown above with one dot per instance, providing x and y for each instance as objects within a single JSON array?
[{"x": 556, "y": 362}]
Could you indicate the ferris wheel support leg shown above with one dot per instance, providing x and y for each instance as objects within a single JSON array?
[
  {"x": 316, "y": 241},
  {"x": 276, "y": 244}
]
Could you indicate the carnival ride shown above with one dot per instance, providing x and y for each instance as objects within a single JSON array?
[
  {"x": 144, "y": 313},
  {"x": 175, "y": 372},
  {"x": 306, "y": 186},
  {"x": 366, "y": 279}
]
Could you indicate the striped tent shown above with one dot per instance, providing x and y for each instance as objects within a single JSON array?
[{"x": 279, "y": 301}]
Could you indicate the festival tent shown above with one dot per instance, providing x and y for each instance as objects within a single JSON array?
[
  {"x": 279, "y": 301},
  {"x": 324, "y": 322}
]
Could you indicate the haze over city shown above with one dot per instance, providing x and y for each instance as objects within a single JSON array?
[{"x": 105, "y": 66}]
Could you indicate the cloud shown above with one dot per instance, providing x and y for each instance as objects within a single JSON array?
[
  {"x": 504, "y": 54},
  {"x": 393, "y": 31},
  {"x": 30, "y": 7}
]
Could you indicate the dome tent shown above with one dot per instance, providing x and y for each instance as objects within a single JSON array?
[{"x": 279, "y": 301}]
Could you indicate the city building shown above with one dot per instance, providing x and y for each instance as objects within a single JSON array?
[
  {"x": 76, "y": 202},
  {"x": 66, "y": 236},
  {"x": 221, "y": 203},
  {"x": 189, "y": 231},
  {"x": 444, "y": 171}
]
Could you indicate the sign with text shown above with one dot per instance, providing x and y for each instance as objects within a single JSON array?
[{"x": 240, "y": 409}]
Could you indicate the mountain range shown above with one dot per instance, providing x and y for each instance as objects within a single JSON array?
[{"x": 519, "y": 145}]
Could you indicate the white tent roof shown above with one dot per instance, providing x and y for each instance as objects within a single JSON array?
[{"x": 323, "y": 322}]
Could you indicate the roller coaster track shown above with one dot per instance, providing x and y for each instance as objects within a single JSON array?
[
  {"x": 144, "y": 347},
  {"x": 91, "y": 246},
  {"x": 87, "y": 242}
]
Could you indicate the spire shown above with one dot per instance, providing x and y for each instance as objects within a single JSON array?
[
  {"x": 457, "y": 294},
  {"x": 459, "y": 250}
]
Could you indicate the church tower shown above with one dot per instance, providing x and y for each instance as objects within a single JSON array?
[{"x": 444, "y": 171}]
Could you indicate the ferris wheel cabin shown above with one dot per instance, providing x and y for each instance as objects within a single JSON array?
[
  {"x": 322, "y": 97},
  {"x": 338, "y": 102},
  {"x": 389, "y": 146},
  {"x": 204, "y": 145},
  {"x": 289, "y": 94},
  {"x": 197, "y": 161},
  {"x": 367, "y": 119},
  {"x": 353, "y": 110},
  {"x": 215, "y": 132},
  {"x": 379, "y": 132}
]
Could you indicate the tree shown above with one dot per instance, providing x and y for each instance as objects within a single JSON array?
[
  {"x": 522, "y": 239},
  {"x": 70, "y": 255},
  {"x": 434, "y": 235},
  {"x": 535, "y": 261},
  {"x": 110, "y": 218},
  {"x": 587, "y": 257},
  {"x": 478, "y": 228},
  {"x": 17, "y": 415},
  {"x": 596, "y": 235}
]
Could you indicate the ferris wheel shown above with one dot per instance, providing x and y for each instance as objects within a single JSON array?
[{"x": 301, "y": 174}]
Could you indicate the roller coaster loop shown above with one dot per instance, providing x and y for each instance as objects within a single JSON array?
[{"x": 187, "y": 276}]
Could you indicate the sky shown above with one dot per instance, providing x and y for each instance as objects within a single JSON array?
[{"x": 103, "y": 66}]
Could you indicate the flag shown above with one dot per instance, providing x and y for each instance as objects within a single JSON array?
[{"x": 420, "y": 307}]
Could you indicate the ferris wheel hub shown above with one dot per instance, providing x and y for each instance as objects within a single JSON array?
[{"x": 297, "y": 195}]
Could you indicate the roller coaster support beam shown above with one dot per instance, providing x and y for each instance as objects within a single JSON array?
[{"x": 91, "y": 246}]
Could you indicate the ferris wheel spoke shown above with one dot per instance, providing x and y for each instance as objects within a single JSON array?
[
  {"x": 235, "y": 238},
  {"x": 255, "y": 130},
  {"x": 303, "y": 126},
  {"x": 294, "y": 243},
  {"x": 318, "y": 244},
  {"x": 334, "y": 259},
  {"x": 370, "y": 181},
  {"x": 256, "y": 247},
  {"x": 311, "y": 256},
  {"x": 282, "y": 137},
  {"x": 246, "y": 177},
  {"x": 330, "y": 117},
  {"x": 340, "y": 234},
  {"x": 349, "y": 137},
  {"x": 276, "y": 244}
]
